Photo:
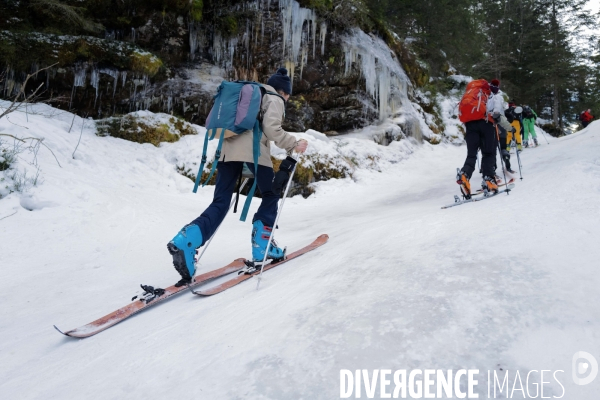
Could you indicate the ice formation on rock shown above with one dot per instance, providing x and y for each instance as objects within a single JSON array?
[
  {"x": 295, "y": 35},
  {"x": 385, "y": 80}
]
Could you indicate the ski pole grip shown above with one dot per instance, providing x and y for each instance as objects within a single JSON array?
[{"x": 283, "y": 175}]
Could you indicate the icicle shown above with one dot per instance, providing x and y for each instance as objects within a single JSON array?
[
  {"x": 303, "y": 58},
  {"x": 193, "y": 39},
  {"x": 17, "y": 88},
  {"x": 246, "y": 38},
  {"x": 255, "y": 32},
  {"x": 34, "y": 70},
  {"x": 95, "y": 82},
  {"x": 114, "y": 74},
  {"x": 313, "y": 30},
  {"x": 80, "y": 75},
  {"x": 95, "y": 79},
  {"x": 290, "y": 66},
  {"x": 78, "y": 80},
  {"x": 217, "y": 48},
  {"x": 245, "y": 43},
  {"x": 124, "y": 77},
  {"x": 133, "y": 35},
  {"x": 322, "y": 35},
  {"x": 231, "y": 49}
]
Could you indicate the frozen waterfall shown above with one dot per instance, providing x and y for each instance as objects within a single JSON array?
[{"x": 385, "y": 80}]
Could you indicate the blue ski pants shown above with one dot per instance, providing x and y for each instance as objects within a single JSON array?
[{"x": 227, "y": 175}]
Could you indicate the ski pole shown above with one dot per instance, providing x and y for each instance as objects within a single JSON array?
[
  {"x": 514, "y": 145},
  {"x": 217, "y": 230},
  {"x": 544, "y": 134},
  {"x": 501, "y": 159},
  {"x": 275, "y": 225},
  {"x": 477, "y": 156}
]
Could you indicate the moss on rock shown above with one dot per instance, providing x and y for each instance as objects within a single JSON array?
[
  {"x": 142, "y": 130},
  {"x": 145, "y": 63}
]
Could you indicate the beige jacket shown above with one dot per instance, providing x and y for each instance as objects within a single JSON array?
[{"x": 239, "y": 147}]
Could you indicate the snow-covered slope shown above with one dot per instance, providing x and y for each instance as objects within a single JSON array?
[{"x": 511, "y": 282}]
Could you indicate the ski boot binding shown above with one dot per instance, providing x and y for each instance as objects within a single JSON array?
[
  {"x": 150, "y": 293},
  {"x": 463, "y": 181},
  {"x": 490, "y": 186}
]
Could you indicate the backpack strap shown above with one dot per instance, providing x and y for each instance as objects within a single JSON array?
[
  {"x": 217, "y": 155},
  {"x": 274, "y": 94},
  {"x": 199, "y": 176}
]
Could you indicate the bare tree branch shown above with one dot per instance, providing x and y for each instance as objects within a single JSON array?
[
  {"x": 40, "y": 141},
  {"x": 81, "y": 134},
  {"x": 9, "y": 215}
]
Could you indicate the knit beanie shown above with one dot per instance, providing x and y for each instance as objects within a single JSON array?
[
  {"x": 281, "y": 81},
  {"x": 494, "y": 85}
]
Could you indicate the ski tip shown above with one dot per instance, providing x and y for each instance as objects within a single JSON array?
[{"x": 55, "y": 327}]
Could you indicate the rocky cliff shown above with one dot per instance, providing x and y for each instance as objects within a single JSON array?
[{"x": 169, "y": 56}]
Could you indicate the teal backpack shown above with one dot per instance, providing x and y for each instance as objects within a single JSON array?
[{"x": 235, "y": 111}]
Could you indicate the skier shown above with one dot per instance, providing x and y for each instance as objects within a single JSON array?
[
  {"x": 586, "y": 117},
  {"x": 504, "y": 151},
  {"x": 514, "y": 119},
  {"x": 529, "y": 117},
  {"x": 481, "y": 133},
  {"x": 236, "y": 152}
]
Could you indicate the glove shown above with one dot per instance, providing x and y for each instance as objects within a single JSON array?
[
  {"x": 283, "y": 175},
  {"x": 513, "y": 130},
  {"x": 496, "y": 116}
]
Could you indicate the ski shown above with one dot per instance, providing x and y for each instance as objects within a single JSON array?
[
  {"x": 480, "y": 190},
  {"x": 156, "y": 296},
  {"x": 458, "y": 202},
  {"x": 321, "y": 240}
]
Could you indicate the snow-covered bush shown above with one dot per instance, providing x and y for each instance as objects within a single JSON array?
[
  {"x": 145, "y": 127},
  {"x": 12, "y": 177},
  {"x": 7, "y": 156}
]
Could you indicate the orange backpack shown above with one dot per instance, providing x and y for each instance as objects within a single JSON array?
[{"x": 472, "y": 106}]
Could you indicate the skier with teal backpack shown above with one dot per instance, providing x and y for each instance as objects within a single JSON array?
[{"x": 245, "y": 118}]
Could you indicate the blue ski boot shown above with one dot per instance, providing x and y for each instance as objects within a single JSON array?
[
  {"x": 183, "y": 249},
  {"x": 260, "y": 238}
]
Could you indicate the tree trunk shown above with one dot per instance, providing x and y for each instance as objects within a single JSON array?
[{"x": 555, "y": 108}]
